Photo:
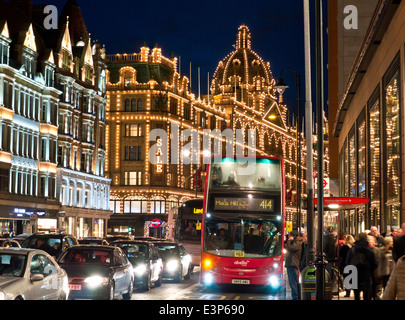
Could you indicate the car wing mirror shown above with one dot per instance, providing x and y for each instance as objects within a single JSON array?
[{"x": 37, "y": 277}]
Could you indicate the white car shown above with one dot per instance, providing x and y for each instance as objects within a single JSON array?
[{"x": 31, "y": 274}]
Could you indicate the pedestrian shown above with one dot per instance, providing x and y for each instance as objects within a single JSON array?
[
  {"x": 292, "y": 261},
  {"x": 395, "y": 289},
  {"x": 374, "y": 232},
  {"x": 398, "y": 249},
  {"x": 363, "y": 258},
  {"x": 303, "y": 259},
  {"x": 386, "y": 261},
  {"x": 330, "y": 249},
  {"x": 376, "y": 283},
  {"x": 344, "y": 250}
]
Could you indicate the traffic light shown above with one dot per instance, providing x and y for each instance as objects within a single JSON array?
[{"x": 130, "y": 229}]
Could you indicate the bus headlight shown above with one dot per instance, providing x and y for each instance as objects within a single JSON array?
[
  {"x": 172, "y": 265},
  {"x": 274, "y": 281},
  {"x": 2, "y": 296},
  {"x": 208, "y": 279},
  {"x": 140, "y": 269}
]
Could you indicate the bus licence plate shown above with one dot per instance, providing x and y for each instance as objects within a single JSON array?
[{"x": 240, "y": 281}]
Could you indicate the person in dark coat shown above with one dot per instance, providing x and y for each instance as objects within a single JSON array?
[
  {"x": 343, "y": 251},
  {"x": 398, "y": 249},
  {"x": 292, "y": 262},
  {"x": 363, "y": 258},
  {"x": 330, "y": 245},
  {"x": 303, "y": 260},
  {"x": 330, "y": 249}
]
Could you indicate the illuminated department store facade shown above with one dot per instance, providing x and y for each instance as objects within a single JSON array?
[
  {"x": 370, "y": 126},
  {"x": 146, "y": 92},
  {"x": 52, "y": 119}
]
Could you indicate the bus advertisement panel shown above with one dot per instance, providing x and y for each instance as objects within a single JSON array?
[{"x": 243, "y": 223}]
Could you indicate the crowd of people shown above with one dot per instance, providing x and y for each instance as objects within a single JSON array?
[{"x": 379, "y": 262}]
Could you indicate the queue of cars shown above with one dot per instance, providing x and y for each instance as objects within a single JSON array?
[{"x": 58, "y": 266}]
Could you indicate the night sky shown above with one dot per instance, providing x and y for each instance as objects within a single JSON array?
[{"x": 204, "y": 32}]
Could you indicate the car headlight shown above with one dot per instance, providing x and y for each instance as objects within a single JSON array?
[
  {"x": 140, "y": 269},
  {"x": 96, "y": 281},
  {"x": 172, "y": 265},
  {"x": 2, "y": 296}
]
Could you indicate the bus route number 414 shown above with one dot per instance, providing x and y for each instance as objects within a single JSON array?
[{"x": 267, "y": 204}]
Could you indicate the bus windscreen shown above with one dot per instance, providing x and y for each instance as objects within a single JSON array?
[
  {"x": 243, "y": 238},
  {"x": 263, "y": 174}
]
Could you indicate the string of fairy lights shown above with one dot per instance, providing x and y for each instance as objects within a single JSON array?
[{"x": 243, "y": 108}]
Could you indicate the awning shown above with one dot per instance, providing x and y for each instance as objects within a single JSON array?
[{"x": 342, "y": 203}]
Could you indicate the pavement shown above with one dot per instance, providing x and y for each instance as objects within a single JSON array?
[{"x": 341, "y": 296}]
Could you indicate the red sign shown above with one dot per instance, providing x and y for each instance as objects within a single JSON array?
[
  {"x": 156, "y": 223},
  {"x": 343, "y": 203}
]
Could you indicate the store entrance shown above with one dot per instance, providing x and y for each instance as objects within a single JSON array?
[{"x": 159, "y": 232}]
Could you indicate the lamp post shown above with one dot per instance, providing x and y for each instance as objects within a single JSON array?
[
  {"x": 320, "y": 261},
  {"x": 281, "y": 87}
]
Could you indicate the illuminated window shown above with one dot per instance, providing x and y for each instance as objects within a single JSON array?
[
  {"x": 158, "y": 205},
  {"x": 135, "y": 204},
  {"x": 115, "y": 204},
  {"x": 133, "y": 178},
  {"x": 133, "y": 130},
  {"x": 361, "y": 158},
  {"x": 352, "y": 165},
  {"x": 375, "y": 164},
  {"x": 392, "y": 143}
]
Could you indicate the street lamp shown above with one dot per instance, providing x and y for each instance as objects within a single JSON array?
[
  {"x": 281, "y": 87},
  {"x": 320, "y": 261}
]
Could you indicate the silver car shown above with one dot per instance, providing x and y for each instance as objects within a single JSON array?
[{"x": 31, "y": 274}]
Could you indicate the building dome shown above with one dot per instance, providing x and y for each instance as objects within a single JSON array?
[{"x": 242, "y": 68}]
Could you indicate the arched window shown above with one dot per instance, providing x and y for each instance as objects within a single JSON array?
[
  {"x": 172, "y": 203},
  {"x": 127, "y": 105},
  {"x": 135, "y": 204},
  {"x": 158, "y": 205},
  {"x": 115, "y": 204},
  {"x": 133, "y": 105},
  {"x": 140, "y": 104}
]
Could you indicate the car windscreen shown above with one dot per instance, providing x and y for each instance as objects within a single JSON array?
[
  {"x": 12, "y": 265},
  {"x": 167, "y": 250},
  {"x": 134, "y": 252},
  {"x": 52, "y": 245},
  {"x": 87, "y": 256},
  {"x": 91, "y": 242}
]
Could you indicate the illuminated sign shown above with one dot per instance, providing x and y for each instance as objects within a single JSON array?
[
  {"x": 20, "y": 212},
  {"x": 197, "y": 211},
  {"x": 249, "y": 204},
  {"x": 156, "y": 223},
  {"x": 159, "y": 162}
]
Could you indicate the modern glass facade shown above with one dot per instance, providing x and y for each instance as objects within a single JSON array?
[{"x": 370, "y": 159}]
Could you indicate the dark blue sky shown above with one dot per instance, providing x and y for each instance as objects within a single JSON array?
[{"x": 203, "y": 32}]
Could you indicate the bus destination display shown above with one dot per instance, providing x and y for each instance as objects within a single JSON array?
[{"x": 247, "y": 204}]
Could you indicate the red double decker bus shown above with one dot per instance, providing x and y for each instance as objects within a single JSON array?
[{"x": 243, "y": 222}]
